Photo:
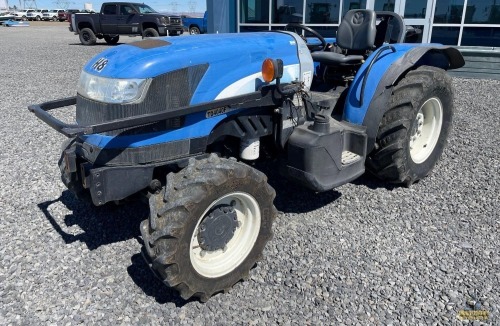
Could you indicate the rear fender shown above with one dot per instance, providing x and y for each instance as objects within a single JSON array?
[
  {"x": 386, "y": 71},
  {"x": 86, "y": 22}
]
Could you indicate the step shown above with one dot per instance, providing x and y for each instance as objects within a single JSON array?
[{"x": 349, "y": 157}]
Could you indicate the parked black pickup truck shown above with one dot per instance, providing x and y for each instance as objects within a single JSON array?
[{"x": 123, "y": 18}]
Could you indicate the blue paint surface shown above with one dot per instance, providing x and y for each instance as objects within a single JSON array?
[
  {"x": 231, "y": 57},
  {"x": 353, "y": 111},
  {"x": 195, "y": 126}
]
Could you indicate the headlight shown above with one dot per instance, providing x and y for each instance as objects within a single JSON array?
[
  {"x": 110, "y": 90},
  {"x": 164, "y": 20}
]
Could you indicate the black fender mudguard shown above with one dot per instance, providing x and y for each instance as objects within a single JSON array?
[{"x": 87, "y": 20}]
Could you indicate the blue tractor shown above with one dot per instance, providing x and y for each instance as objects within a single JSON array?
[{"x": 177, "y": 120}]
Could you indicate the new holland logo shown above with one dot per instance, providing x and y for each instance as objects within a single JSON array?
[
  {"x": 100, "y": 64},
  {"x": 218, "y": 111}
]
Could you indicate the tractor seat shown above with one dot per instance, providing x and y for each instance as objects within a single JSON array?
[{"x": 355, "y": 35}]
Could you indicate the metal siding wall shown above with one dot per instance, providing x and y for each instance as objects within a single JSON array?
[
  {"x": 221, "y": 16},
  {"x": 479, "y": 63}
]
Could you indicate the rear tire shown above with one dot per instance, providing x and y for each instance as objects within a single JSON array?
[
  {"x": 150, "y": 32},
  {"x": 87, "y": 37},
  {"x": 194, "y": 30},
  {"x": 414, "y": 130},
  {"x": 112, "y": 40},
  {"x": 208, "y": 226}
]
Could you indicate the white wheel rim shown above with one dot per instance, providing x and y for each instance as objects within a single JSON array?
[
  {"x": 426, "y": 130},
  {"x": 220, "y": 262}
]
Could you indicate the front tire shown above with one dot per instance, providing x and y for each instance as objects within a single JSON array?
[
  {"x": 208, "y": 226},
  {"x": 150, "y": 32},
  {"x": 87, "y": 37},
  {"x": 71, "y": 180},
  {"x": 414, "y": 130},
  {"x": 194, "y": 30},
  {"x": 112, "y": 40}
]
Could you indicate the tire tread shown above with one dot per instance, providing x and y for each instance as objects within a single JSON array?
[
  {"x": 390, "y": 160},
  {"x": 170, "y": 213}
]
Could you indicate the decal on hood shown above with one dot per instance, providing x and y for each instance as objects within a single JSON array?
[{"x": 100, "y": 64}]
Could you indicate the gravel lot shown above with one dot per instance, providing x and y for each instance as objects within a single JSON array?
[{"x": 363, "y": 254}]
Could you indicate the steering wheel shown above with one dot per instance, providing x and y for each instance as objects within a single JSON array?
[{"x": 311, "y": 47}]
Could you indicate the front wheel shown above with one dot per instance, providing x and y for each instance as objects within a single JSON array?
[
  {"x": 38, "y": 18},
  {"x": 194, "y": 30},
  {"x": 54, "y": 19},
  {"x": 87, "y": 36},
  {"x": 150, "y": 32},
  {"x": 111, "y": 39},
  {"x": 208, "y": 226},
  {"x": 413, "y": 132}
]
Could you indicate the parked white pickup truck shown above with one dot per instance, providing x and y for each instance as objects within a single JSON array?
[
  {"x": 52, "y": 14},
  {"x": 23, "y": 14},
  {"x": 36, "y": 15}
]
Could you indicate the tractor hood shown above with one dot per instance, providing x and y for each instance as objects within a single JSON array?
[
  {"x": 170, "y": 73},
  {"x": 214, "y": 66}
]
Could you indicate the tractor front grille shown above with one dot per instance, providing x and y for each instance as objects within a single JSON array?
[{"x": 167, "y": 92}]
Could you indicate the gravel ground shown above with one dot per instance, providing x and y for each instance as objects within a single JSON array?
[{"x": 363, "y": 254}]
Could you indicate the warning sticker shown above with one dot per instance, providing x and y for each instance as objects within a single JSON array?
[{"x": 307, "y": 78}]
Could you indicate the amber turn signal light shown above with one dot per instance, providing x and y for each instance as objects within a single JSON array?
[{"x": 272, "y": 69}]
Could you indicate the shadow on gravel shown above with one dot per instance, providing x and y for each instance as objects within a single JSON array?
[
  {"x": 292, "y": 197},
  {"x": 100, "y": 225},
  {"x": 97, "y": 44},
  {"x": 373, "y": 183},
  {"x": 145, "y": 279},
  {"x": 109, "y": 224}
]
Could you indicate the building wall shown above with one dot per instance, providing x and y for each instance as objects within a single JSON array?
[
  {"x": 467, "y": 23},
  {"x": 479, "y": 63},
  {"x": 472, "y": 25},
  {"x": 451, "y": 22},
  {"x": 221, "y": 16}
]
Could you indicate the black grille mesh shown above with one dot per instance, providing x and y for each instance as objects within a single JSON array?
[{"x": 167, "y": 92}]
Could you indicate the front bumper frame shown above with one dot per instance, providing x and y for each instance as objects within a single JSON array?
[
  {"x": 268, "y": 96},
  {"x": 110, "y": 183}
]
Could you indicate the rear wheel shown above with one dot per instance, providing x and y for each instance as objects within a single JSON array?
[
  {"x": 413, "y": 132},
  {"x": 54, "y": 19},
  {"x": 87, "y": 37},
  {"x": 38, "y": 18},
  {"x": 208, "y": 226},
  {"x": 194, "y": 30},
  {"x": 150, "y": 32},
  {"x": 111, "y": 39}
]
